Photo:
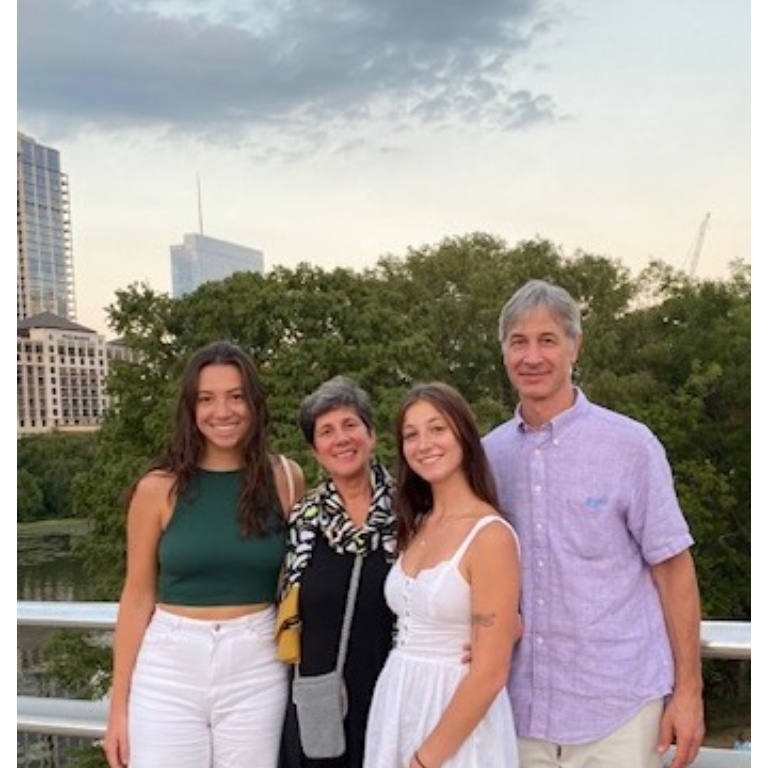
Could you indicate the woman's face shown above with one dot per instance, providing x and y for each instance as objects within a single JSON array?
[
  {"x": 429, "y": 443},
  {"x": 342, "y": 444},
  {"x": 221, "y": 411}
]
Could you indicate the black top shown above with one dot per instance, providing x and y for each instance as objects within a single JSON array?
[{"x": 322, "y": 598}]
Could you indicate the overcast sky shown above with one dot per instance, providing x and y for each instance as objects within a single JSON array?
[{"x": 337, "y": 131}]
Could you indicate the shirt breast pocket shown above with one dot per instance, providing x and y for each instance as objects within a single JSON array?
[{"x": 587, "y": 527}]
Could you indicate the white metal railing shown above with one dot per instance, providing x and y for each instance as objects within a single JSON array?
[{"x": 70, "y": 717}]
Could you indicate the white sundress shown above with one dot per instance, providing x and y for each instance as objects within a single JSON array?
[{"x": 425, "y": 667}]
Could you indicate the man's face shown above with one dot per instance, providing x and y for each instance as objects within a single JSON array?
[{"x": 538, "y": 357}]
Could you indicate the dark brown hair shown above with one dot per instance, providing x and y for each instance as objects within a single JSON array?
[{"x": 413, "y": 495}]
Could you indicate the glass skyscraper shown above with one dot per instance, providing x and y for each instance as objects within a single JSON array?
[
  {"x": 201, "y": 259},
  {"x": 45, "y": 279}
]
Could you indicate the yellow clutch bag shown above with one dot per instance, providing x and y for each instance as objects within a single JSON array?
[{"x": 288, "y": 627}]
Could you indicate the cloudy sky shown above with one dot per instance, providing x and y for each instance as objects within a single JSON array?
[{"x": 337, "y": 131}]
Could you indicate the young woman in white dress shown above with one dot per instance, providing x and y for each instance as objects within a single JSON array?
[{"x": 456, "y": 582}]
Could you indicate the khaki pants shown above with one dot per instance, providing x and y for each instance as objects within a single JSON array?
[{"x": 631, "y": 746}]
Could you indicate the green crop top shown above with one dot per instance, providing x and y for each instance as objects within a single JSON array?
[{"x": 203, "y": 558}]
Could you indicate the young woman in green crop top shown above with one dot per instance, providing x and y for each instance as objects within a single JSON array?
[{"x": 196, "y": 678}]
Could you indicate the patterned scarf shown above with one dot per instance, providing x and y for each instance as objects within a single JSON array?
[{"x": 322, "y": 512}]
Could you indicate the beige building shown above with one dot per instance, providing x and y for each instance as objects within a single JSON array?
[{"x": 61, "y": 370}]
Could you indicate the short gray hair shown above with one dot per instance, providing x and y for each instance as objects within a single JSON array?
[
  {"x": 540, "y": 293},
  {"x": 335, "y": 393}
]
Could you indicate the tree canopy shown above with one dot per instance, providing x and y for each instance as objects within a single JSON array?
[{"x": 667, "y": 349}]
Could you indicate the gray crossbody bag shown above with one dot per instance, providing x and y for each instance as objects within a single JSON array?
[{"x": 321, "y": 700}]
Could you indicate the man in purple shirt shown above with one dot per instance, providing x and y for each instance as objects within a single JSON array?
[{"x": 608, "y": 672}]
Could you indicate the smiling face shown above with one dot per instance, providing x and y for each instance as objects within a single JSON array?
[
  {"x": 221, "y": 411},
  {"x": 429, "y": 443},
  {"x": 342, "y": 443},
  {"x": 538, "y": 357}
]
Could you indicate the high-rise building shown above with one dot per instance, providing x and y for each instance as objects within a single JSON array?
[
  {"x": 201, "y": 259},
  {"x": 61, "y": 371},
  {"x": 45, "y": 278}
]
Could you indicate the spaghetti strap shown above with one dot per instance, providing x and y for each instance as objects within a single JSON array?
[{"x": 476, "y": 528}]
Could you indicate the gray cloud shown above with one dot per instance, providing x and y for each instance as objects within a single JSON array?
[{"x": 309, "y": 67}]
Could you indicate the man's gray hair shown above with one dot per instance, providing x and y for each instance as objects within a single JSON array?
[{"x": 540, "y": 293}]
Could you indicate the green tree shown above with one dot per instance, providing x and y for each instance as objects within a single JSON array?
[
  {"x": 688, "y": 378},
  {"x": 668, "y": 350},
  {"x": 54, "y": 460},
  {"x": 663, "y": 348},
  {"x": 29, "y": 497}
]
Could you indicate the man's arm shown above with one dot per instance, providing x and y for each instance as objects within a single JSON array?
[{"x": 683, "y": 719}]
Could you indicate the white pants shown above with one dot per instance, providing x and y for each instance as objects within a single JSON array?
[{"x": 207, "y": 694}]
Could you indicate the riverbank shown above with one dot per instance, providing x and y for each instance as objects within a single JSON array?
[
  {"x": 48, "y": 540},
  {"x": 69, "y": 526}
]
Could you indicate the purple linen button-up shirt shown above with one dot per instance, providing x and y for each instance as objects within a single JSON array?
[{"x": 592, "y": 499}]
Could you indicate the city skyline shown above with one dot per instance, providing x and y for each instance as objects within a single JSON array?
[{"x": 612, "y": 129}]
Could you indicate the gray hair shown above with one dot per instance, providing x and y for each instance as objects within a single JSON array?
[
  {"x": 540, "y": 293},
  {"x": 335, "y": 393}
]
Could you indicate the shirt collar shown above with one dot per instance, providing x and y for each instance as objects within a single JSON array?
[{"x": 561, "y": 423}]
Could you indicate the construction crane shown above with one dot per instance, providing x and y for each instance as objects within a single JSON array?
[{"x": 695, "y": 252}]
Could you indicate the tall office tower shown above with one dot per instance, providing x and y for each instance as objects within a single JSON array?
[
  {"x": 201, "y": 259},
  {"x": 45, "y": 277}
]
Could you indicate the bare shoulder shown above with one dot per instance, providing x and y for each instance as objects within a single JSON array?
[
  {"x": 155, "y": 484},
  {"x": 295, "y": 468},
  {"x": 152, "y": 498},
  {"x": 498, "y": 535},
  {"x": 493, "y": 556},
  {"x": 283, "y": 464}
]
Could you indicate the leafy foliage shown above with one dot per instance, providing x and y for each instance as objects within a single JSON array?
[
  {"x": 29, "y": 497},
  {"x": 669, "y": 350},
  {"x": 53, "y": 461}
]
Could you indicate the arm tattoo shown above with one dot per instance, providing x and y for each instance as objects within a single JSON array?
[{"x": 483, "y": 619}]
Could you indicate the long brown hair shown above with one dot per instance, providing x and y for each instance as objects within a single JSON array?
[
  {"x": 258, "y": 497},
  {"x": 413, "y": 495}
]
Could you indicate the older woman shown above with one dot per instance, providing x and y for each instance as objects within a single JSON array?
[{"x": 347, "y": 515}]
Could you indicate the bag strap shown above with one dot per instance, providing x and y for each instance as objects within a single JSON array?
[
  {"x": 346, "y": 624},
  {"x": 289, "y": 479},
  {"x": 354, "y": 581}
]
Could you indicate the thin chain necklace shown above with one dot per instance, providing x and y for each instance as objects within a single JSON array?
[{"x": 422, "y": 534}]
